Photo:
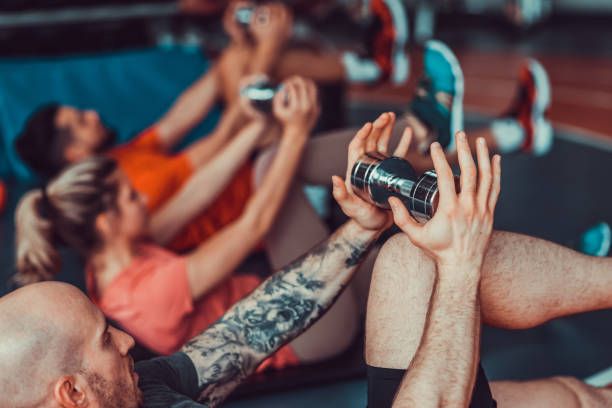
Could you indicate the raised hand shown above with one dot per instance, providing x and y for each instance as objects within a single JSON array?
[
  {"x": 237, "y": 33},
  {"x": 272, "y": 24},
  {"x": 296, "y": 106},
  {"x": 371, "y": 137},
  {"x": 459, "y": 231}
]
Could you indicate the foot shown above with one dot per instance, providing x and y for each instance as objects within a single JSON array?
[
  {"x": 389, "y": 39},
  {"x": 596, "y": 240},
  {"x": 530, "y": 107},
  {"x": 438, "y": 102}
]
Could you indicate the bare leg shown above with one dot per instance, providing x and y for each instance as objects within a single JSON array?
[
  {"x": 401, "y": 288},
  {"x": 526, "y": 282},
  {"x": 319, "y": 66},
  {"x": 550, "y": 392}
]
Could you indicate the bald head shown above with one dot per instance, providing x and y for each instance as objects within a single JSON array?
[{"x": 42, "y": 328}]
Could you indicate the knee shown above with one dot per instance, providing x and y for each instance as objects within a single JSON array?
[{"x": 400, "y": 255}]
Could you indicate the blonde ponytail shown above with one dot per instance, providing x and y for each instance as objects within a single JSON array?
[
  {"x": 37, "y": 258},
  {"x": 63, "y": 214}
]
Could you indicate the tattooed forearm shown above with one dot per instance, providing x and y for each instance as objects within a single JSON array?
[{"x": 275, "y": 313}]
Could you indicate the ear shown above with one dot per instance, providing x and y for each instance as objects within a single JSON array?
[
  {"x": 103, "y": 225},
  {"x": 69, "y": 394}
]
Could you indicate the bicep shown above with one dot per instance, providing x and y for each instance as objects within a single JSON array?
[{"x": 558, "y": 392}]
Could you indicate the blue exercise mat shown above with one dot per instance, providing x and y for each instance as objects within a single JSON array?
[{"x": 129, "y": 89}]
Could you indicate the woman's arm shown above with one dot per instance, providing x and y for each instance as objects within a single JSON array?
[
  {"x": 215, "y": 259},
  {"x": 204, "y": 186}
]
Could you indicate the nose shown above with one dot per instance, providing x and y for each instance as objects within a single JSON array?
[{"x": 124, "y": 341}]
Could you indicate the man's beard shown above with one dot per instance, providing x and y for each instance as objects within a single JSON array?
[
  {"x": 109, "y": 140},
  {"x": 117, "y": 394}
]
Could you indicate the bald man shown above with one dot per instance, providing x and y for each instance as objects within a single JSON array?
[{"x": 57, "y": 349}]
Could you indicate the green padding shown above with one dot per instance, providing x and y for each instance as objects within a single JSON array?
[
  {"x": 130, "y": 89},
  {"x": 345, "y": 394}
]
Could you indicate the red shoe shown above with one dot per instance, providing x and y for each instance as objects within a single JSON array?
[
  {"x": 530, "y": 107},
  {"x": 390, "y": 36}
]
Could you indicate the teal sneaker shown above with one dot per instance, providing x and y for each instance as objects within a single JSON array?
[
  {"x": 596, "y": 240},
  {"x": 442, "y": 74}
]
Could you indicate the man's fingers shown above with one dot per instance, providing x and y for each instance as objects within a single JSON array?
[
  {"x": 302, "y": 93},
  {"x": 278, "y": 103},
  {"x": 378, "y": 127},
  {"x": 446, "y": 180},
  {"x": 312, "y": 92},
  {"x": 383, "y": 141},
  {"x": 403, "y": 219},
  {"x": 496, "y": 187},
  {"x": 349, "y": 203},
  {"x": 466, "y": 163},
  {"x": 339, "y": 189},
  {"x": 404, "y": 144},
  {"x": 356, "y": 147},
  {"x": 485, "y": 177}
]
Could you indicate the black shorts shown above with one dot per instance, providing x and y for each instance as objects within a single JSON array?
[{"x": 384, "y": 382}]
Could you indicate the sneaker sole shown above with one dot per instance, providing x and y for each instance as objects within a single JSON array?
[
  {"x": 542, "y": 85},
  {"x": 542, "y": 127},
  {"x": 399, "y": 58},
  {"x": 605, "y": 241},
  {"x": 457, "y": 105}
]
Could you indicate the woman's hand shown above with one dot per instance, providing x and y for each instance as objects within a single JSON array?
[{"x": 296, "y": 105}]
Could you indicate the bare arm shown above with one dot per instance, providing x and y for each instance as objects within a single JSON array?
[
  {"x": 275, "y": 313},
  {"x": 442, "y": 372},
  {"x": 216, "y": 259},
  {"x": 189, "y": 108},
  {"x": 204, "y": 149},
  {"x": 271, "y": 32},
  {"x": 205, "y": 185},
  {"x": 444, "y": 367},
  {"x": 558, "y": 392}
]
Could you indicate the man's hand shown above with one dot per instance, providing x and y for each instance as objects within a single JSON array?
[
  {"x": 371, "y": 137},
  {"x": 296, "y": 106},
  {"x": 459, "y": 232},
  {"x": 272, "y": 25},
  {"x": 237, "y": 33},
  {"x": 245, "y": 103}
]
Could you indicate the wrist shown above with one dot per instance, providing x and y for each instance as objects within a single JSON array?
[
  {"x": 296, "y": 130},
  {"x": 354, "y": 231},
  {"x": 459, "y": 271}
]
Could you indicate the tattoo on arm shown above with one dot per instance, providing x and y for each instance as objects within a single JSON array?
[{"x": 275, "y": 313}]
